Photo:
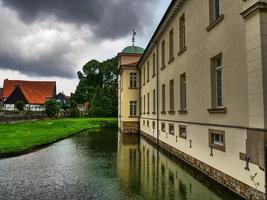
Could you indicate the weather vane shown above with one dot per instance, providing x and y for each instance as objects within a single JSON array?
[{"x": 133, "y": 38}]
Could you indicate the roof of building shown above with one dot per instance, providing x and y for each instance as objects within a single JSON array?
[
  {"x": 1, "y": 94},
  {"x": 35, "y": 92},
  {"x": 133, "y": 50},
  {"x": 134, "y": 64},
  {"x": 169, "y": 15}
]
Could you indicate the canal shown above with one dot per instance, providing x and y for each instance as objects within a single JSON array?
[{"x": 104, "y": 165}]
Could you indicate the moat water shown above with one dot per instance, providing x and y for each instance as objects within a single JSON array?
[{"x": 104, "y": 166}]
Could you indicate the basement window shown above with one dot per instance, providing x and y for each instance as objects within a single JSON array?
[
  {"x": 182, "y": 132},
  {"x": 163, "y": 128},
  {"x": 171, "y": 129},
  {"x": 217, "y": 139}
]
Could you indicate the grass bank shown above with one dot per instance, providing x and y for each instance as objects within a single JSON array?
[{"x": 20, "y": 138}]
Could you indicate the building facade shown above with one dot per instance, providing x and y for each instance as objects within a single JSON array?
[{"x": 203, "y": 92}]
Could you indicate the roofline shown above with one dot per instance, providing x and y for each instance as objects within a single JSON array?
[{"x": 174, "y": 6}]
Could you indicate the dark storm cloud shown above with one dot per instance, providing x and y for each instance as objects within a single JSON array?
[{"x": 108, "y": 18}]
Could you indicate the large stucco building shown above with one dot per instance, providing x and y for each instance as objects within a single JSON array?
[{"x": 199, "y": 90}]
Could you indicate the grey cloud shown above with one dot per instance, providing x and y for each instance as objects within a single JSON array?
[{"x": 109, "y": 18}]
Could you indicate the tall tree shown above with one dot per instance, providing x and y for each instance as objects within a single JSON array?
[{"x": 98, "y": 86}]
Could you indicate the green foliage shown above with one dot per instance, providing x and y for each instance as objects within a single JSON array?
[
  {"x": 98, "y": 85},
  {"x": 19, "y": 105},
  {"x": 51, "y": 108}
]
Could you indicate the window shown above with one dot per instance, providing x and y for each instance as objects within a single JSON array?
[
  {"x": 133, "y": 108},
  {"x": 144, "y": 75},
  {"x": 171, "y": 47},
  {"x": 154, "y": 101},
  {"x": 144, "y": 104},
  {"x": 163, "y": 98},
  {"x": 148, "y": 106},
  {"x": 154, "y": 125},
  {"x": 217, "y": 82},
  {"x": 154, "y": 64},
  {"x": 163, "y": 128},
  {"x": 214, "y": 10},
  {"x": 163, "y": 54},
  {"x": 172, "y": 95},
  {"x": 217, "y": 139},
  {"x": 144, "y": 122},
  {"x": 141, "y": 105},
  {"x": 182, "y": 32},
  {"x": 147, "y": 72},
  {"x": 182, "y": 132},
  {"x": 183, "y": 92},
  {"x": 133, "y": 80},
  {"x": 147, "y": 123},
  {"x": 171, "y": 129}
]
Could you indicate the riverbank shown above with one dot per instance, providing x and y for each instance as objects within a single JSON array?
[{"x": 24, "y": 137}]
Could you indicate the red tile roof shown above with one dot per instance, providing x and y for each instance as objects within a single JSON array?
[{"x": 36, "y": 92}]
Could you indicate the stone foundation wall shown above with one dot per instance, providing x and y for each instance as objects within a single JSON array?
[
  {"x": 130, "y": 127},
  {"x": 233, "y": 184}
]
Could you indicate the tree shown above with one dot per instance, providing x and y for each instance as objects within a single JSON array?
[
  {"x": 51, "y": 108},
  {"x": 98, "y": 86},
  {"x": 19, "y": 105}
]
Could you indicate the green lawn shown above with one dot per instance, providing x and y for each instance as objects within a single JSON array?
[{"x": 24, "y": 137}]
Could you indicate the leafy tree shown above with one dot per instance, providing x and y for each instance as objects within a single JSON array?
[
  {"x": 19, "y": 105},
  {"x": 51, "y": 108},
  {"x": 98, "y": 86}
]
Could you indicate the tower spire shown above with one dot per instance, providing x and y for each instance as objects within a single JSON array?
[{"x": 133, "y": 38}]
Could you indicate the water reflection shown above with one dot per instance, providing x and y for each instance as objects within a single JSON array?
[{"x": 151, "y": 173}]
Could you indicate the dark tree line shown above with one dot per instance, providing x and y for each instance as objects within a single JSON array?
[{"x": 98, "y": 86}]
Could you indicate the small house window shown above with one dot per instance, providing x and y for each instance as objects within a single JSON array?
[
  {"x": 214, "y": 10},
  {"x": 171, "y": 46},
  {"x": 163, "y": 54},
  {"x": 154, "y": 125},
  {"x": 163, "y": 98},
  {"x": 217, "y": 81},
  {"x": 182, "y": 32},
  {"x": 171, "y": 95},
  {"x": 171, "y": 129},
  {"x": 148, "y": 71},
  {"x": 154, "y": 101},
  {"x": 217, "y": 139},
  {"x": 147, "y": 123},
  {"x": 154, "y": 64},
  {"x": 183, "y": 91},
  {"x": 182, "y": 132},
  {"x": 148, "y": 104},
  {"x": 163, "y": 128},
  {"x": 133, "y": 108},
  {"x": 133, "y": 80}
]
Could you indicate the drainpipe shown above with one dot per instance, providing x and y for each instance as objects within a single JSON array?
[{"x": 157, "y": 89}]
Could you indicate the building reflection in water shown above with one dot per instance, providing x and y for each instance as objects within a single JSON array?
[{"x": 149, "y": 173}]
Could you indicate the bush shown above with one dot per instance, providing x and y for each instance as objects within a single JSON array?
[
  {"x": 74, "y": 112},
  {"x": 51, "y": 108},
  {"x": 19, "y": 105}
]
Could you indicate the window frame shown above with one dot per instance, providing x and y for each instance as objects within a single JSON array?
[
  {"x": 163, "y": 98},
  {"x": 220, "y": 145},
  {"x": 171, "y": 126},
  {"x": 171, "y": 95},
  {"x": 183, "y": 92},
  {"x": 182, "y": 134},
  {"x": 182, "y": 34},
  {"x": 163, "y": 54},
  {"x": 133, "y": 109},
  {"x": 171, "y": 45},
  {"x": 163, "y": 127},
  {"x": 133, "y": 80}
]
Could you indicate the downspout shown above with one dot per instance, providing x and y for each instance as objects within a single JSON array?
[{"x": 157, "y": 90}]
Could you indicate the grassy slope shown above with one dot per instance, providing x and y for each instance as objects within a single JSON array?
[{"x": 26, "y": 136}]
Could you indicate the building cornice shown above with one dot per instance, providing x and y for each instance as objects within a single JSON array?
[
  {"x": 169, "y": 15},
  {"x": 259, "y": 6}
]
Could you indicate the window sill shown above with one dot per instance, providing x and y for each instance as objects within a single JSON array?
[
  {"x": 183, "y": 137},
  {"x": 217, "y": 110},
  {"x": 163, "y": 112},
  {"x": 218, "y": 147},
  {"x": 215, "y": 23},
  {"x": 183, "y": 112},
  {"x": 171, "y": 112},
  {"x": 133, "y": 88},
  {"x": 171, "y": 60},
  {"x": 182, "y": 51},
  {"x": 163, "y": 67},
  {"x": 133, "y": 117}
]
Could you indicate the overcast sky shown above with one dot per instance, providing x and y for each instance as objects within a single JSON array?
[{"x": 53, "y": 39}]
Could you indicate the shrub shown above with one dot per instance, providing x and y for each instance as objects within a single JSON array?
[
  {"x": 19, "y": 105},
  {"x": 51, "y": 108}
]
